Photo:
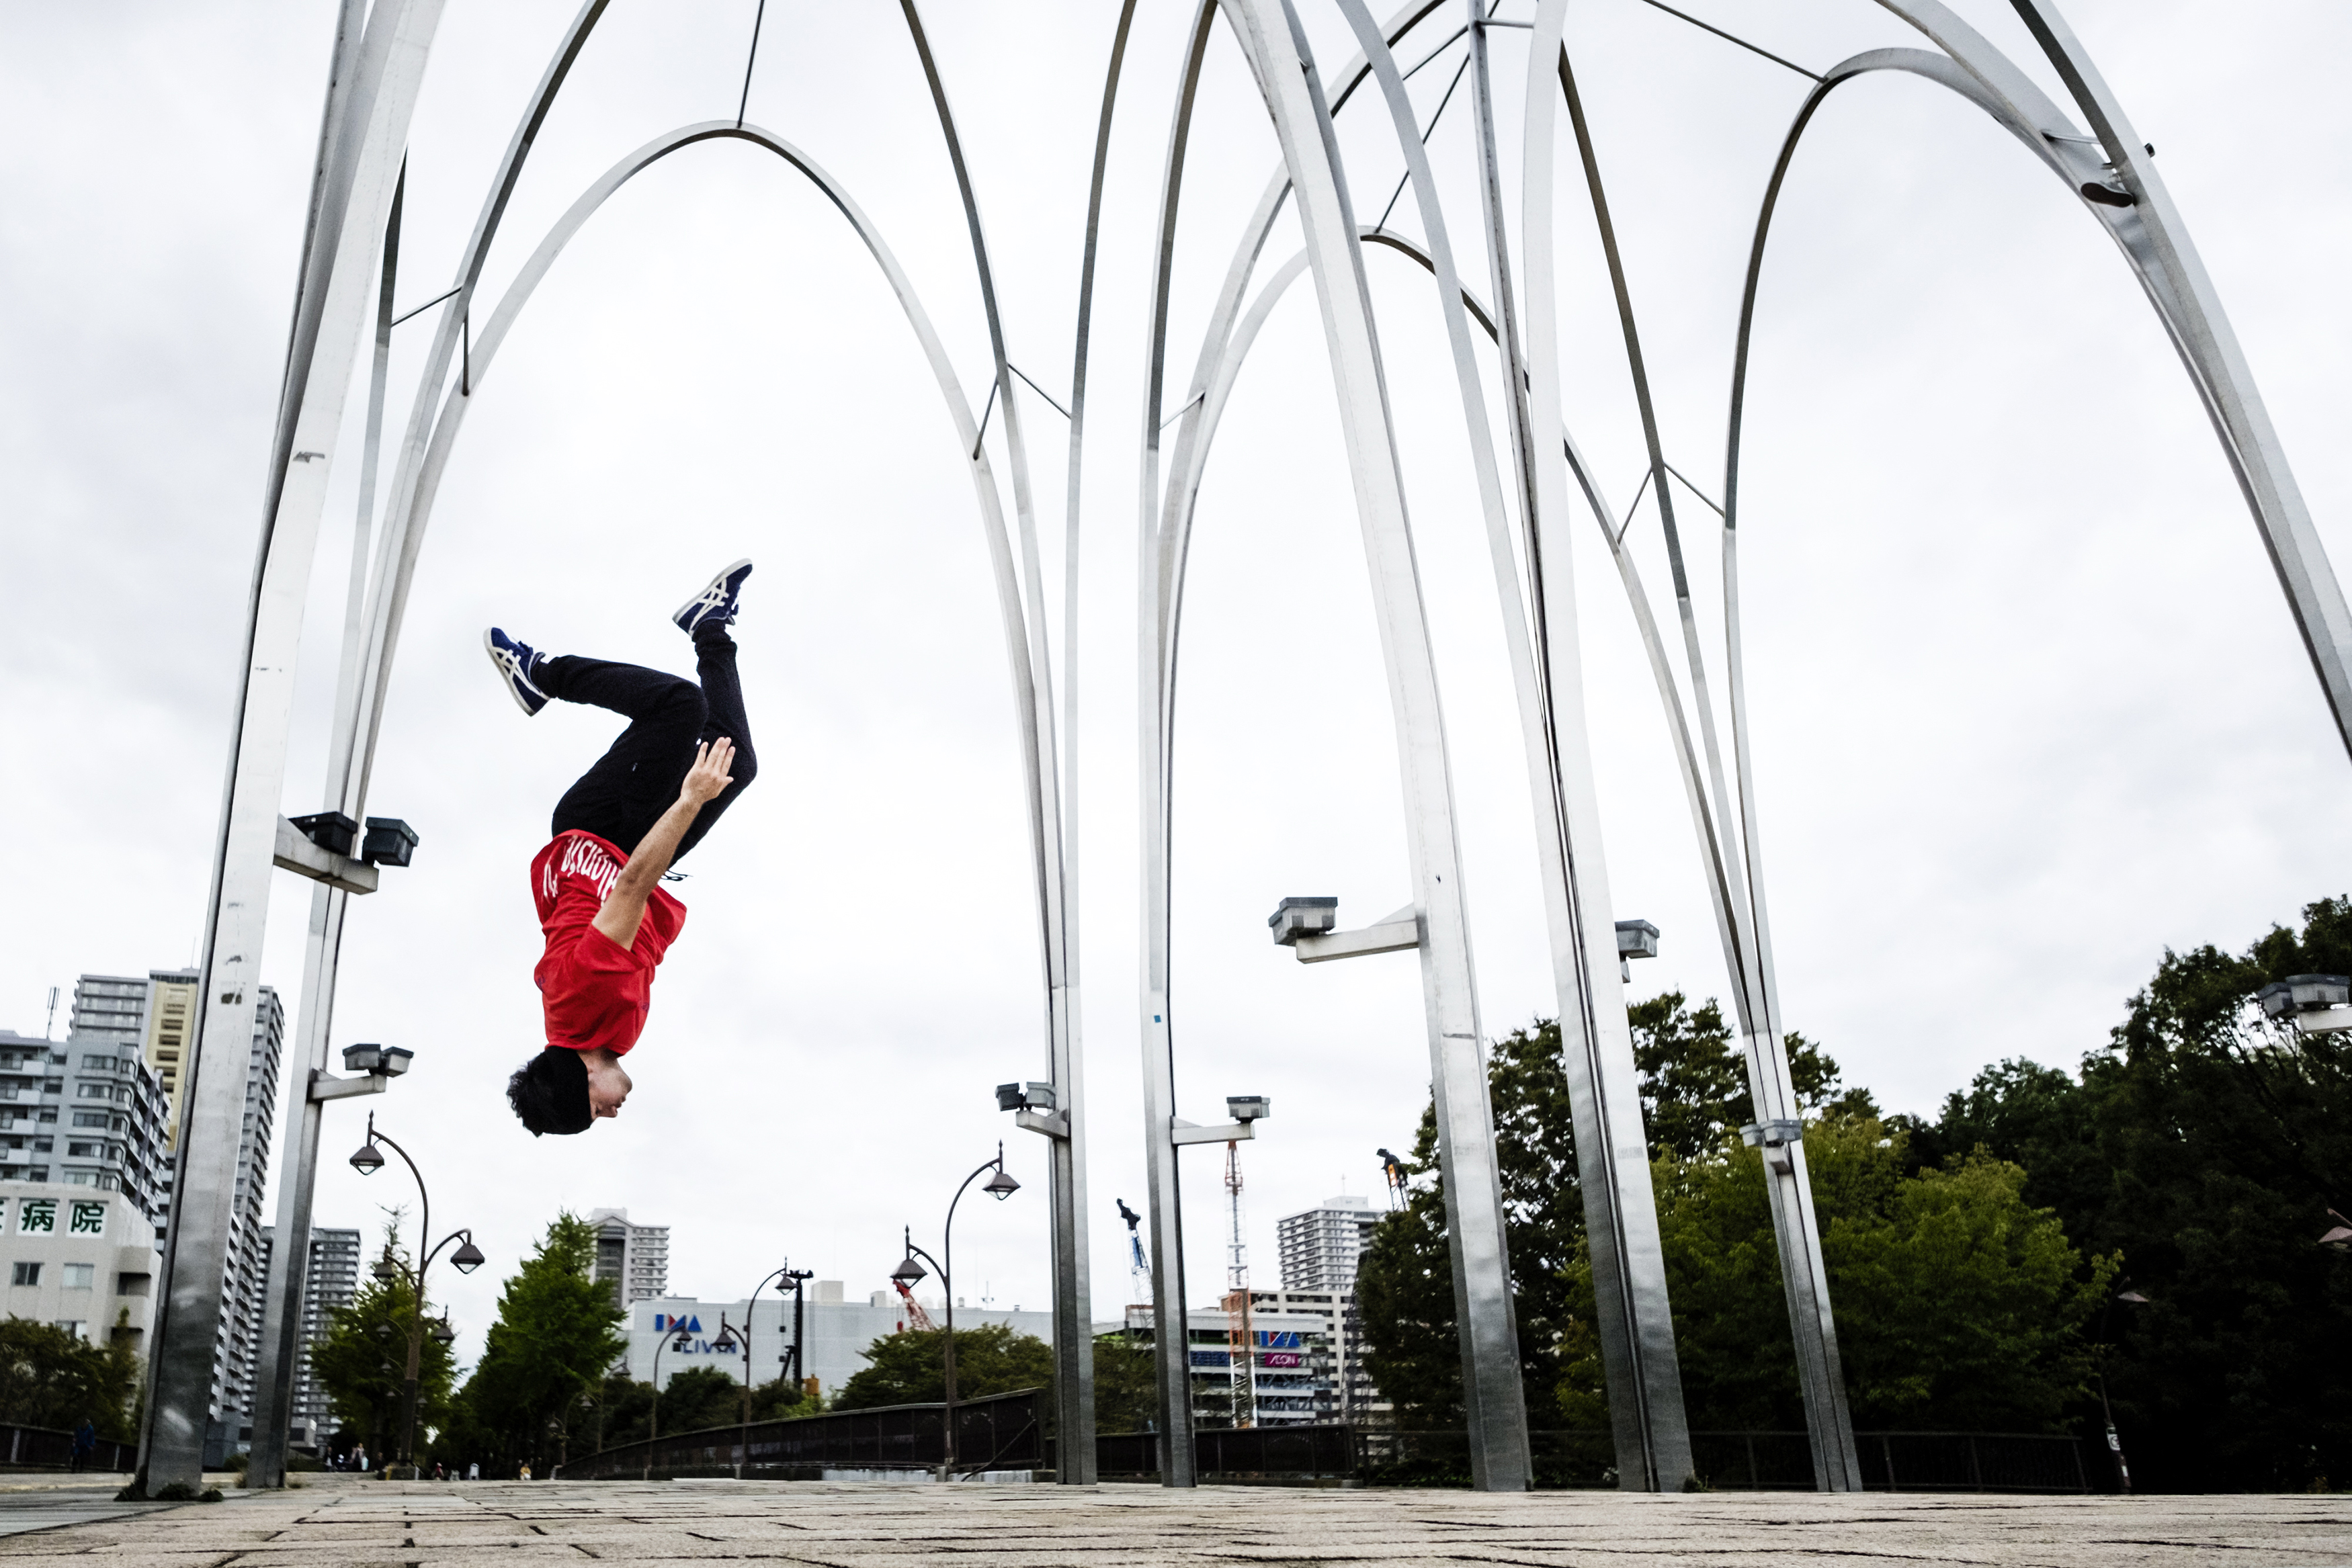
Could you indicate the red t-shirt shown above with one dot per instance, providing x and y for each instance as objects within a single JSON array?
[{"x": 596, "y": 992}]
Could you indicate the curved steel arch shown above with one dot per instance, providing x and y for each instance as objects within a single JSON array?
[{"x": 369, "y": 653}]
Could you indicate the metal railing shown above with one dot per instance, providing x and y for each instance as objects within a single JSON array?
[
  {"x": 997, "y": 1432},
  {"x": 1730, "y": 1461},
  {"x": 46, "y": 1448}
]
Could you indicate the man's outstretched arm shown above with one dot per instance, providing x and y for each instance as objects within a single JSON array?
[{"x": 624, "y": 906}]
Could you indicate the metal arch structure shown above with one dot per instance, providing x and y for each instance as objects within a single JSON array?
[
  {"x": 1634, "y": 1322},
  {"x": 379, "y": 62},
  {"x": 2118, "y": 188},
  {"x": 380, "y": 70}
]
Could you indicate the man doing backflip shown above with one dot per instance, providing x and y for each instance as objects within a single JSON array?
[{"x": 684, "y": 758}]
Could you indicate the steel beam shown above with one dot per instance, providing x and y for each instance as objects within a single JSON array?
[{"x": 356, "y": 187}]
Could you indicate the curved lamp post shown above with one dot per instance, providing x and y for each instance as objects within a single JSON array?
[
  {"x": 790, "y": 1280},
  {"x": 678, "y": 1342},
  {"x": 468, "y": 1257},
  {"x": 999, "y": 1186}
]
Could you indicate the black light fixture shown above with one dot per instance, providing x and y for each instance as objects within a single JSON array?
[
  {"x": 1001, "y": 1185},
  {"x": 384, "y": 1269},
  {"x": 370, "y": 1159},
  {"x": 909, "y": 1274},
  {"x": 441, "y": 1333},
  {"x": 468, "y": 1257}
]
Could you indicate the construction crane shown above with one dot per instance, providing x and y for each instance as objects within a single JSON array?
[
  {"x": 1138, "y": 1268},
  {"x": 915, "y": 1316},
  {"x": 1239, "y": 1353}
]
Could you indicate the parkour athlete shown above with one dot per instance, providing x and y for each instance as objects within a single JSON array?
[{"x": 684, "y": 758}]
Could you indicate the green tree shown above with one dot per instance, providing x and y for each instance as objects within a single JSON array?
[
  {"x": 2207, "y": 1146},
  {"x": 1694, "y": 1091},
  {"x": 1960, "y": 1307},
  {"x": 909, "y": 1369},
  {"x": 699, "y": 1398},
  {"x": 555, "y": 1338},
  {"x": 1127, "y": 1387},
  {"x": 362, "y": 1361},
  {"x": 52, "y": 1377}
]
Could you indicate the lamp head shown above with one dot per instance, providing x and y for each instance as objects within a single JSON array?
[
  {"x": 468, "y": 1257},
  {"x": 441, "y": 1333},
  {"x": 1001, "y": 1185},
  {"x": 909, "y": 1274},
  {"x": 368, "y": 1160}
]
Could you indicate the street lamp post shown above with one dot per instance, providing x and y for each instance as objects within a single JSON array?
[
  {"x": 465, "y": 1260},
  {"x": 999, "y": 1186},
  {"x": 2115, "y": 1438},
  {"x": 792, "y": 1282},
  {"x": 679, "y": 1344}
]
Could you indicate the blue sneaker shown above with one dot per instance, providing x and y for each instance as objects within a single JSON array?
[
  {"x": 715, "y": 602},
  {"x": 515, "y": 662}
]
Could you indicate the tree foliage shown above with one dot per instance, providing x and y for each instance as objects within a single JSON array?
[
  {"x": 556, "y": 1337},
  {"x": 1127, "y": 1388},
  {"x": 1960, "y": 1307},
  {"x": 1694, "y": 1093},
  {"x": 910, "y": 1368},
  {"x": 362, "y": 1361},
  {"x": 2207, "y": 1146},
  {"x": 53, "y": 1377}
]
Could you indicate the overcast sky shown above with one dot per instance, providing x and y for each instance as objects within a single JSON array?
[{"x": 2028, "y": 707}]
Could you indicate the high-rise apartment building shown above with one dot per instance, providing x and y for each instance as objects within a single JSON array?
[
  {"x": 328, "y": 1282},
  {"x": 82, "y": 1112},
  {"x": 1320, "y": 1251},
  {"x": 632, "y": 1258},
  {"x": 156, "y": 1017}
]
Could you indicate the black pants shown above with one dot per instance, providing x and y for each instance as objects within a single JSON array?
[{"x": 621, "y": 798}]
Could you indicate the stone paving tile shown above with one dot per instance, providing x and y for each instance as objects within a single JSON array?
[{"x": 343, "y": 1523}]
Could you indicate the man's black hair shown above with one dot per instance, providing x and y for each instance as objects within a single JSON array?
[{"x": 550, "y": 1092}]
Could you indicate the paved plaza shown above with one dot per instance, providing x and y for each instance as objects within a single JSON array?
[{"x": 336, "y": 1521}]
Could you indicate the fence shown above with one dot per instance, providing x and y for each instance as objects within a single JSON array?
[
  {"x": 1734, "y": 1461},
  {"x": 43, "y": 1448},
  {"x": 1001, "y": 1432},
  {"x": 1007, "y": 1431}
]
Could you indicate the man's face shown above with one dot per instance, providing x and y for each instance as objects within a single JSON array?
[{"x": 608, "y": 1088}]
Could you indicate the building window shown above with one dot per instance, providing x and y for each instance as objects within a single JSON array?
[
  {"x": 78, "y": 1327},
  {"x": 89, "y": 1119},
  {"x": 86, "y": 1150},
  {"x": 80, "y": 1276},
  {"x": 25, "y": 1274}
]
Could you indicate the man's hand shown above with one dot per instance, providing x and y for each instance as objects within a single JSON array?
[
  {"x": 711, "y": 773},
  {"x": 624, "y": 907}
]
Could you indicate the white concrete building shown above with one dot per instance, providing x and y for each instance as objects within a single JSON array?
[
  {"x": 838, "y": 1333},
  {"x": 328, "y": 1284},
  {"x": 633, "y": 1259},
  {"x": 1294, "y": 1365},
  {"x": 155, "y": 1016},
  {"x": 1321, "y": 1248},
  {"x": 82, "y": 1258}
]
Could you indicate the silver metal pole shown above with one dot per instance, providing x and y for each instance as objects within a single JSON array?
[
  {"x": 281, "y": 1316},
  {"x": 357, "y": 195},
  {"x": 1493, "y": 1397}
]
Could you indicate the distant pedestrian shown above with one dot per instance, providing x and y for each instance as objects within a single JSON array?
[
  {"x": 474, "y": 1471},
  {"x": 524, "y": 1474},
  {"x": 85, "y": 1444},
  {"x": 438, "y": 1474},
  {"x": 360, "y": 1459}
]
